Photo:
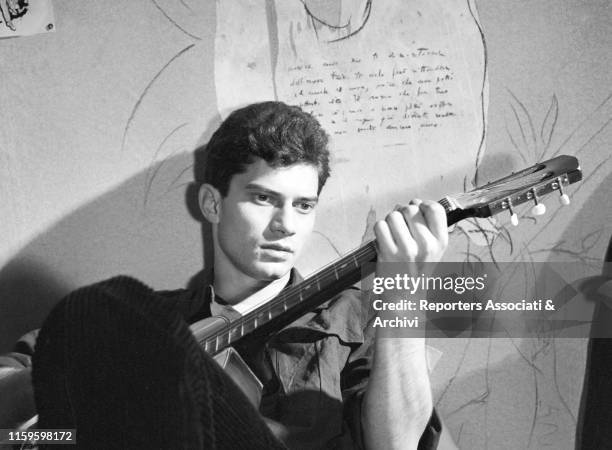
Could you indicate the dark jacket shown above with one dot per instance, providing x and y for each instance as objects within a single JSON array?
[{"x": 314, "y": 371}]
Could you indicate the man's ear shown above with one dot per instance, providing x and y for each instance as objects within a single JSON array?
[{"x": 210, "y": 202}]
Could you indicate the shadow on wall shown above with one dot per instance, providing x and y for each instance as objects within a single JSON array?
[
  {"x": 149, "y": 227},
  {"x": 141, "y": 228}
]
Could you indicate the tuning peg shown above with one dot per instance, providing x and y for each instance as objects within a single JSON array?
[
  {"x": 538, "y": 209},
  {"x": 564, "y": 199},
  {"x": 513, "y": 217}
]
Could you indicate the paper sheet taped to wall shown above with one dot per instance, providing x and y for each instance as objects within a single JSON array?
[
  {"x": 24, "y": 18},
  {"x": 399, "y": 86}
]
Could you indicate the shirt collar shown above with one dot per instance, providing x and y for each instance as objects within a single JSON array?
[{"x": 219, "y": 307}]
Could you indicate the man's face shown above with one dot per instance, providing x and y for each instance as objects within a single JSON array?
[{"x": 265, "y": 219}]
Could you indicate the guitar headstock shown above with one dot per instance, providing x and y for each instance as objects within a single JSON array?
[{"x": 527, "y": 185}]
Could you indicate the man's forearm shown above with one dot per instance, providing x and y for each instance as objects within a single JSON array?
[{"x": 398, "y": 401}]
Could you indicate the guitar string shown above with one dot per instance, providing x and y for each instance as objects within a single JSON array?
[{"x": 503, "y": 189}]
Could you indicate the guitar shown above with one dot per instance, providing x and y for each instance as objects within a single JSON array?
[{"x": 216, "y": 335}]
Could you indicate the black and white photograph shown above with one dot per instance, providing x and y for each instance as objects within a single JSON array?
[{"x": 306, "y": 224}]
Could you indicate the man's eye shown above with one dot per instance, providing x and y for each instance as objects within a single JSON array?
[
  {"x": 305, "y": 206},
  {"x": 262, "y": 198}
]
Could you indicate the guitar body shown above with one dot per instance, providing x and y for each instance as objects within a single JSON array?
[
  {"x": 230, "y": 360},
  {"x": 233, "y": 364}
]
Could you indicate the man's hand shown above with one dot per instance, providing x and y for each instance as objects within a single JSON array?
[
  {"x": 398, "y": 402},
  {"x": 413, "y": 233}
]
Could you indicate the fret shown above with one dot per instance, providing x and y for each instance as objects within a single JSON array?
[
  {"x": 237, "y": 332},
  {"x": 216, "y": 344},
  {"x": 343, "y": 266},
  {"x": 293, "y": 300},
  {"x": 335, "y": 272}
]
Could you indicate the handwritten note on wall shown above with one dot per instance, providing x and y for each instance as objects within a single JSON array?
[
  {"x": 399, "y": 86},
  {"x": 385, "y": 93}
]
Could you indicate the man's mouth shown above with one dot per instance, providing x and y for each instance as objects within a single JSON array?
[{"x": 277, "y": 248}]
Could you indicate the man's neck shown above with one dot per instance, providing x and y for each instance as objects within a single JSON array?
[
  {"x": 233, "y": 291},
  {"x": 235, "y": 287}
]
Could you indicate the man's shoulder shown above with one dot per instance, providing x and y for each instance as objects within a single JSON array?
[
  {"x": 187, "y": 302},
  {"x": 190, "y": 303}
]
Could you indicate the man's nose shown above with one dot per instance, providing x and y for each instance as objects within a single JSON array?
[{"x": 284, "y": 221}]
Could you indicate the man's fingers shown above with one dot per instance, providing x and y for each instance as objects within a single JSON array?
[
  {"x": 435, "y": 217},
  {"x": 384, "y": 240},
  {"x": 401, "y": 233},
  {"x": 416, "y": 223},
  {"x": 414, "y": 232}
]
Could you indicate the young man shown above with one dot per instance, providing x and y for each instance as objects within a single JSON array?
[{"x": 329, "y": 381}]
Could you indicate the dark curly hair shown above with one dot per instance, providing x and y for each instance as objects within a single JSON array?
[{"x": 280, "y": 134}]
